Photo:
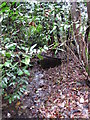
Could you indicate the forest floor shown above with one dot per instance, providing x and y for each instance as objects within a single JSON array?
[{"x": 59, "y": 92}]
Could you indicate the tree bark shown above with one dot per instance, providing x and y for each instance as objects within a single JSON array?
[
  {"x": 86, "y": 37},
  {"x": 79, "y": 40},
  {"x": 88, "y": 22}
]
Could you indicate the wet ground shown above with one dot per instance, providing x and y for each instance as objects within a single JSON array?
[{"x": 59, "y": 92}]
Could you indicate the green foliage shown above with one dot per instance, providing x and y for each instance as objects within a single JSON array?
[{"x": 89, "y": 37}]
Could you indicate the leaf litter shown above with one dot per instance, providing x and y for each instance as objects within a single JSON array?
[{"x": 59, "y": 92}]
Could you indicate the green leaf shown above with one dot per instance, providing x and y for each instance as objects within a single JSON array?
[
  {"x": 45, "y": 47},
  {"x": 55, "y": 45},
  {"x": 20, "y": 72},
  {"x": 1, "y": 18},
  {"x": 1, "y": 65},
  {"x": 24, "y": 87},
  {"x": 4, "y": 9},
  {"x": 53, "y": 29},
  {"x": 14, "y": 33},
  {"x": 11, "y": 46},
  {"x": 7, "y": 64},
  {"x": 4, "y": 85},
  {"x": 14, "y": 17},
  {"x": 10, "y": 101},
  {"x": 3, "y": 4},
  {"x": 12, "y": 83},
  {"x": 89, "y": 37},
  {"x": 5, "y": 80},
  {"x": 40, "y": 57},
  {"x": 33, "y": 29},
  {"x": 24, "y": 48},
  {"x": 32, "y": 47},
  {"x": 8, "y": 54},
  {"x": 8, "y": 74},
  {"x": 39, "y": 28},
  {"x": 25, "y": 81},
  {"x": 27, "y": 60},
  {"x": 13, "y": 66},
  {"x": 20, "y": 93},
  {"x": 22, "y": 90},
  {"x": 6, "y": 97},
  {"x": 56, "y": 52},
  {"x": 26, "y": 72},
  {"x": 12, "y": 98},
  {"x": 86, "y": 51},
  {"x": 17, "y": 96},
  {"x": 13, "y": 2},
  {"x": 7, "y": 39}
]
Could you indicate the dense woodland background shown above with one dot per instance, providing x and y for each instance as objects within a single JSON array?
[{"x": 44, "y": 34}]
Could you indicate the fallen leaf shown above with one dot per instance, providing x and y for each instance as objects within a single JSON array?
[{"x": 18, "y": 103}]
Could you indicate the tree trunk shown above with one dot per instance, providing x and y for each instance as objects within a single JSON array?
[
  {"x": 86, "y": 37},
  {"x": 79, "y": 40}
]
